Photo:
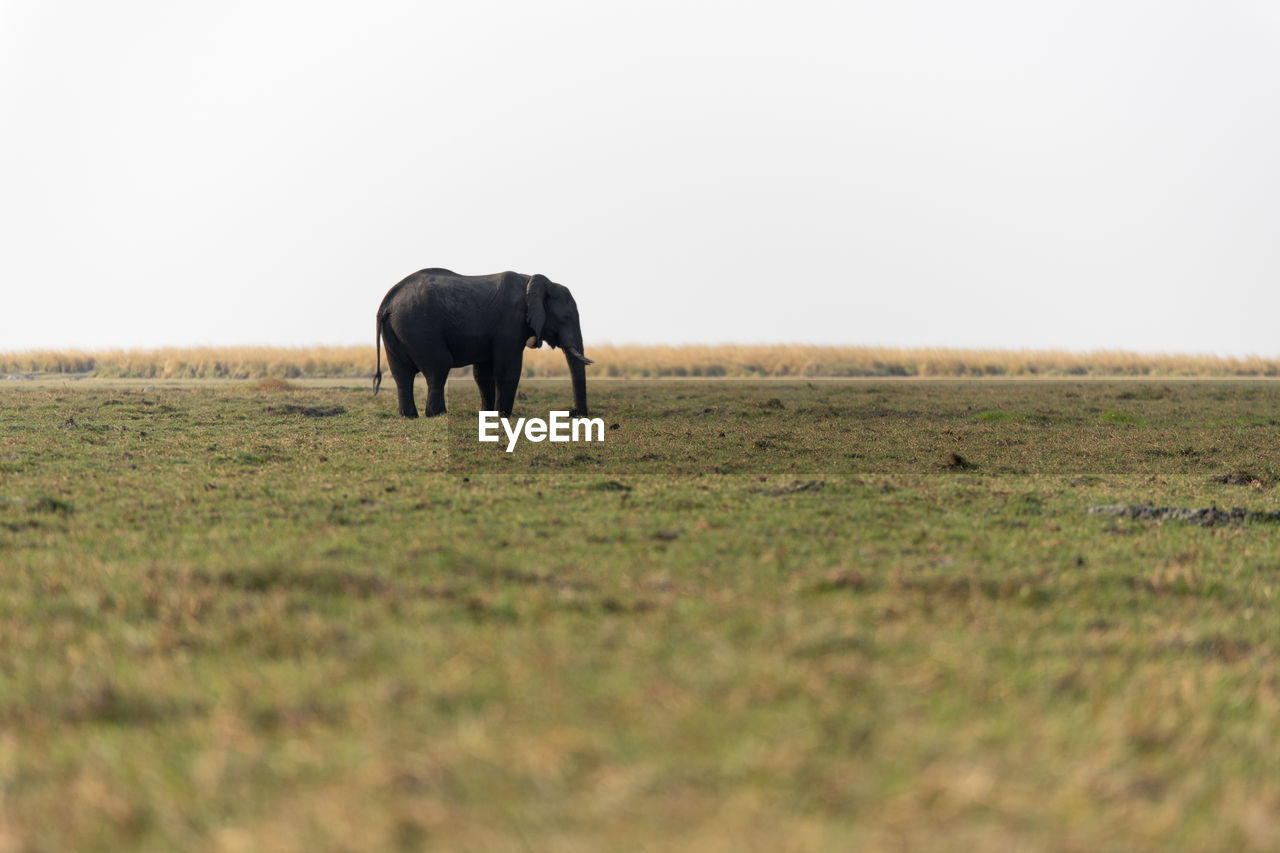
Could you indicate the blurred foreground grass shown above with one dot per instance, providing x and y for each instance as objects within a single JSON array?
[{"x": 843, "y": 615}]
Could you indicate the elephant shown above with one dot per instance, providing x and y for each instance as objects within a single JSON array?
[{"x": 436, "y": 319}]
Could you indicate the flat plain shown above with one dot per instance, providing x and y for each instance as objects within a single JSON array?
[{"x": 760, "y": 615}]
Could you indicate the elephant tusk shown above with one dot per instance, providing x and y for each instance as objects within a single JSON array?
[
  {"x": 579, "y": 356},
  {"x": 532, "y": 343}
]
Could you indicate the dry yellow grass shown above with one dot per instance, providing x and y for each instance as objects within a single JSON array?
[
  {"x": 647, "y": 361},
  {"x": 197, "y": 362}
]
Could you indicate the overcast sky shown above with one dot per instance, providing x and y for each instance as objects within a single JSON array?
[{"x": 993, "y": 174}]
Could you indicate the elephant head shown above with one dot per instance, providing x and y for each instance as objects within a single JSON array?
[{"x": 552, "y": 315}]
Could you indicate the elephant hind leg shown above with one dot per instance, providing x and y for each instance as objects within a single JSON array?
[
  {"x": 404, "y": 377},
  {"x": 403, "y": 370},
  {"x": 435, "y": 391}
]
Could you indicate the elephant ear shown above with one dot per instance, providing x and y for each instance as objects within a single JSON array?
[{"x": 535, "y": 297}]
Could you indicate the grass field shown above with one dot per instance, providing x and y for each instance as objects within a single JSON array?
[{"x": 761, "y": 615}]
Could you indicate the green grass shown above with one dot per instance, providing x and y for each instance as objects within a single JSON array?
[{"x": 760, "y": 615}]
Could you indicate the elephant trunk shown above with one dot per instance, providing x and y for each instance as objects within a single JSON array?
[{"x": 578, "y": 373}]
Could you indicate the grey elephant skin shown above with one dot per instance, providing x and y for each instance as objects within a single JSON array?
[{"x": 435, "y": 320}]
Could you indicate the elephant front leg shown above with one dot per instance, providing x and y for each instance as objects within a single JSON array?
[
  {"x": 483, "y": 374},
  {"x": 507, "y": 393},
  {"x": 508, "y": 362}
]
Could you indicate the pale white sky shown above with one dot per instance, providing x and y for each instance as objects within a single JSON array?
[{"x": 1005, "y": 174}]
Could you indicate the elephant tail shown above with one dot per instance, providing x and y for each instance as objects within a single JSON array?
[{"x": 377, "y": 356}]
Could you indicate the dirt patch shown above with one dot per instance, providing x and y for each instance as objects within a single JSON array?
[
  {"x": 791, "y": 488},
  {"x": 1245, "y": 477},
  {"x": 307, "y": 411},
  {"x": 1204, "y": 516},
  {"x": 837, "y": 580},
  {"x": 610, "y": 486},
  {"x": 274, "y": 385},
  {"x": 956, "y": 462},
  {"x": 52, "y": 506}
]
